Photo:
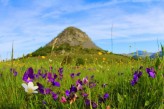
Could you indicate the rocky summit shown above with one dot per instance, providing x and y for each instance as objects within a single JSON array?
[{"x": 74, "y": 37}]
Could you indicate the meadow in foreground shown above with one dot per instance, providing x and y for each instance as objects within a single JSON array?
[{"x": 105, "y": 81}]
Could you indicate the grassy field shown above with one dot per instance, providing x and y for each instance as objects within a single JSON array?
[{"x": 104, "y": 81}]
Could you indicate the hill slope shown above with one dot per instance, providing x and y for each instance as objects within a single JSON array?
[
  {"x": 70, "y": 39},
  {"x": 74, "y": 37}
]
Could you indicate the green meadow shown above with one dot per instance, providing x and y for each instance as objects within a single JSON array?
[{"x": 106, "y": 73}]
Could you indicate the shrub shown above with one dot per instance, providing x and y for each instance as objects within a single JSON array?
[
  {"x": 66, "y": 60},
  {"x": 80, "y": 61}
]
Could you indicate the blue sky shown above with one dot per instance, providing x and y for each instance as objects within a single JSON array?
[{"x": 33, "y": 23}]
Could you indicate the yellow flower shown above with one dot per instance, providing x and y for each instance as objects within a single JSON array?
[
  {"x": 104, "y": 59},
  {"x": 43, "y": 57},
  {"x": 99, "y": 53}
]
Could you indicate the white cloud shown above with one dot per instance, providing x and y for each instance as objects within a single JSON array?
[{"x": 43, "y": 20}]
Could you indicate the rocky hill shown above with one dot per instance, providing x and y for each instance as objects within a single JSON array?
[
  {"x": 74, "y": 37},
  {"x": 70, "y": 39}
]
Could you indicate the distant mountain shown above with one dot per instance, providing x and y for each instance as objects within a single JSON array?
[
  {"x": 153, "y": 55},
  {"x": 140, "y": 53},
  {"x": 144, "y": 54},
  {"x": 74, "y": 37},
  {"x": 70, "y": 39}
]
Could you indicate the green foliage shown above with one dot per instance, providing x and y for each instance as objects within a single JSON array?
[
  {"x": 162, "y": 47},
  {"x": 42, "y": 51},
  {"x": 146, "y": 94},
  {"x": 66, "y": 60},
  {"x": 80, "y": 61}
]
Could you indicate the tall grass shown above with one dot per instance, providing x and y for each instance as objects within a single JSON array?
[{"x": 115, "y": 71}]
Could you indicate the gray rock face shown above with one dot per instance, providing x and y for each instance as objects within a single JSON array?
[{"x": 74, "y": 37}]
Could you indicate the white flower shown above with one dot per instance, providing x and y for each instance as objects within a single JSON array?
[
  {"x": 50, "y": 60},
  {"x": 30, "y": 88}
]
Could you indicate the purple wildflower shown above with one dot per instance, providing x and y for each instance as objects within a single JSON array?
[
  {"x": 15, "y": 73},
  {"x": 67, "y": 92},
  {"x": 40, "y": 88},
  {"x": 54, "y": 96},
  {"x": 73, "y": 89},
  {"x": 92, "y": 84},
  {"x": 49, "y": 77},
  {"x": 60, "y": 70},
  {"x": 87, "y": 102},
  {"x": 78, "y": 74},
  {"x": 44, "y": 75},
  {"x": 72, "y": 75},
  {"x": 94, "y": 105},
  {"x": 39, "y": 72},
  {"x": 151, "y": 72},
  {"x": 85, "y": 80},
  {"x": 136, "y": 76},
  {"x": 60, "y": 73},
  {"x": 29, "y": 75},
  {"x": 106, "y": 96},
  {"x": 85, "y": 95},
  {"x": 79, "y": 82},
  {"x": 55, "y": 83},
  {"x": 47, "y": 91},
  {"x": 55, "y": 76}
]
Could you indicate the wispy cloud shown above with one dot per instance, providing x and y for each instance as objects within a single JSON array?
[{"x": 32, "y": 24}]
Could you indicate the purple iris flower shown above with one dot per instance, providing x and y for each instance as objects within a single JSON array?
[
  {"x": 72, "y": 75},
  {"x": 15, "y": 73},
  {"x": 50, "y": 78},
  {"x": 29, "y": 75},
  {"x": 87, "y": 102},
  {"x": 60, "y": 73},
  {"x": 67, "y": 92},
  {"x": 85, "y": 80},
  {"x": 106, "y": 96},
  {"x": 78, "y": 74},
  {"x": 79, "y": 82},
  {"x": 151, "y": 72},
  {"x": 39, "y": 72},
  {"x": 55, "y": 76},
  {"x": 55, "y": 83},
  {"x": 40, "y": 88},
  {"x": 92, "y": 84},
  {"x": 94, "y": 105},
  {"x": 136, "y": 76},
  {"x": 36, "y": 76},
  {"x": 47, "y": 91},
  {"x": 43, "y": 90},
  {"x": 85, "y": 95},
  {"x": 60, "y": 70},
  {"x": 44, "y": 75},
  {"x": 54, "y": 96},
  {"x": 139, "y": 74},
  {"x": 73, "y": 89}
]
